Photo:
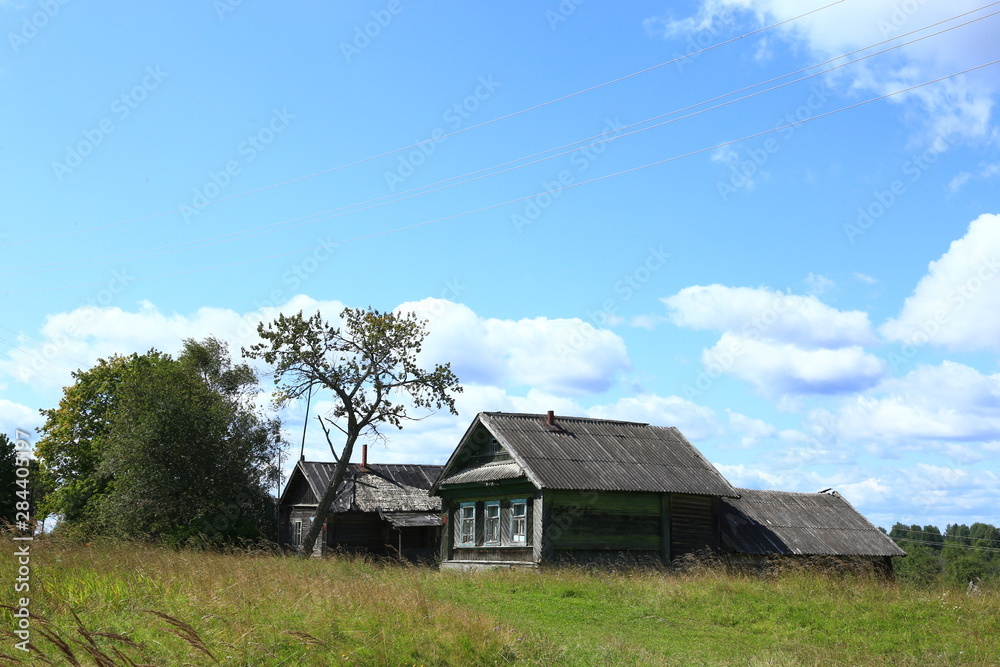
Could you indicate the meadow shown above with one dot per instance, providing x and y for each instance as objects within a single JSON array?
[{"x": 107, "y": 603}]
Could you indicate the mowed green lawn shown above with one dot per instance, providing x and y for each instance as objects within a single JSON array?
[{"x": 152, "y": 605}]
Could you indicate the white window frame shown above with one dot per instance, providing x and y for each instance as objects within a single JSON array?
[
  {"x": 467, "y": 520},
  {"x": 517, "y": 537},
  {"x": 297, "y": 533},
  {"x": 492, "y": 522}
]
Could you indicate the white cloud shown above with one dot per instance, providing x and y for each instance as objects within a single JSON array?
[
  {"x": 750, "y": 430},
  {"x": 768, "y": 315},
  {"x": 960, "y": 106},
  {"x": 776, "y": 368},
  {"x": 77, "y": 339},
  {"x": 818, "y": 284},
  {"x": 14, "y": 416},
  {"x": 950, "y": 403},
  {"x": 696, "y": 422},
  {"x": 864, "y": 278},
  {"x": 562, "y": 356},
  {"x": 956, "y": 303}
]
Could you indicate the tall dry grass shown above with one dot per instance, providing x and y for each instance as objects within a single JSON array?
[{"x": 139, "y": 604}]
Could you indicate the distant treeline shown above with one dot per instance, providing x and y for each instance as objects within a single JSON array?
[{"x": 960, "y": 555}]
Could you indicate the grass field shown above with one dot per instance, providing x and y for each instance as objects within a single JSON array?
[{"x": 141, "y": 604}]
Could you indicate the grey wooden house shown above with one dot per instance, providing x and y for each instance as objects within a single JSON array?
[
  {"x": 527, "y": 489},
  {"x": 380, "y": 509},
  {"x": 531, "y": 489}
]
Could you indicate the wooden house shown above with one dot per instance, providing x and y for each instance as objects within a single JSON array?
[
  {"x": 528, "y": 489},
  {"x": 531, "y": 489},
  {"x": 380, "y": 509}
]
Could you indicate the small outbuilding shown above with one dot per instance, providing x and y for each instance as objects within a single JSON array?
[
  {"x": 381, "y": 509},
  {"x": 763, "y": 524}
]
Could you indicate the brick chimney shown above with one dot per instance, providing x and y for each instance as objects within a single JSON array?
[
  {"x": 550, "y": 418},
  {"x": 364, "y": 457}
]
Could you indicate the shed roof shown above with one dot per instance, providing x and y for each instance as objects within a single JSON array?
[
  {"x": 814, "y": 524},
  {"x": 378, "y": 487},
  {"x": 592, "y": 454}
]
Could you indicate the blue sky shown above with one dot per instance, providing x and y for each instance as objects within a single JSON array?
[{"x": 803, "y": 280}]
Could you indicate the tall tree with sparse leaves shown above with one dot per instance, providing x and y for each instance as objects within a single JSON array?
[{"x": 370, "y": 365}]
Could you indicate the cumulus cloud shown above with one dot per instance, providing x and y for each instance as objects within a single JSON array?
[
  {"x": 750, "y": 431},
  {"x": 950, "y": 402},
  {"x": 76, "y": 339},
  {"x": 563, "y": 356},
  {"x": 783, "y": 368},
  {"x": 956, "y": 303},
  {"x": 14, "y": 417},
  {"x": 960, "y": 106},
  {"x": 768, "y": 315},
  {"x": 781, "y": 343}
]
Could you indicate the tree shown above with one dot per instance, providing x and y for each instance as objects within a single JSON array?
[
  {"x": 19, "y": 494},
  {"x": 366, "y": 363},
  {"x": 167, "y": 448},
  {"x": 74, "y": 438}
]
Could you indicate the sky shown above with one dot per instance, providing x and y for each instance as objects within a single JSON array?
[{"x": 774, "y": 225}]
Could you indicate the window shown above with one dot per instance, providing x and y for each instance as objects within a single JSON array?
[
  {"x": 297, "y": 533},
  {"x": 467, "y": 524},
  {"x": 491, "y": 447},
  {"x": 492, "y": 522},
  {"x": 519, "y": 521}
]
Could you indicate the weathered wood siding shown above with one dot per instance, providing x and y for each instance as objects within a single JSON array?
[
  {"x": 693, "y": 524},
  {"x": 357, "y": 532},
  {"x": 299, "y": 492},
  {"x": 507, "y": 550},
  {"x": 586, "y": 525}
]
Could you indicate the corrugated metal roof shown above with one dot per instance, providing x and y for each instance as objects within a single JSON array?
[
  {"x": 813, "y": 524},
  {"x": 412, "y": 519},
  {"x": 389, "y": 487},
  {"x": 486, "y": 473},
  {"x": 604, "y": 455}
]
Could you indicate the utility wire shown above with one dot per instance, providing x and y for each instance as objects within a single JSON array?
[
  {"x": 494, "y": 170},
  {"x": 440, "y": 138},
  {"x": 527, "y": 197}
]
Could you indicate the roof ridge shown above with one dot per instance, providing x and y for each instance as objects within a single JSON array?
[{"x": 535, "y": 415}]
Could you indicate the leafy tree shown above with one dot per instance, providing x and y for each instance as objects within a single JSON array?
[
  {"x": 165, "y": 448},
  {"x": 18, "y": 493},
  {"x": 74, "y": 438},
  {"x": 366, "y": 363}
]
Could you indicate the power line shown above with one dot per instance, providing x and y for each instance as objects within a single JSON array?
[
  {"x": 494, "y": 170},
  {"x": 527, "y": 197},
  {"x": 436, "y": 139}
]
